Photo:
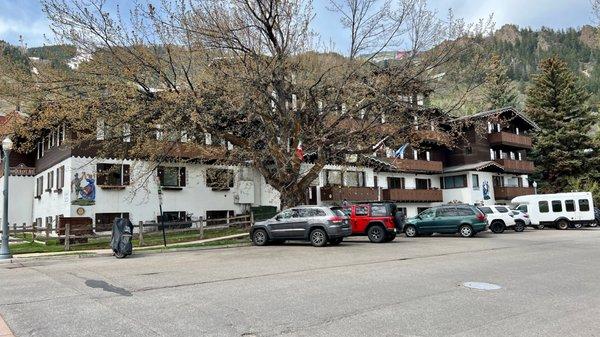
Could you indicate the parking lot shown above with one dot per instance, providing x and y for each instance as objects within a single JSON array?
[{"x": 549, "y": 279}]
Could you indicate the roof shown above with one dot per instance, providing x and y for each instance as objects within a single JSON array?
[
  {"x": 488, "y": 113},
  {"x": 473, "y": 167}
]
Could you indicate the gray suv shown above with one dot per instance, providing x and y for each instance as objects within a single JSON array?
[{"x": 319, "y": 225}]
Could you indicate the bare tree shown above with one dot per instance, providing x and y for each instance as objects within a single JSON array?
[{"x": 248, "y": 75}]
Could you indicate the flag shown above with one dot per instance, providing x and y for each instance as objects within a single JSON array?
[
  {"x": 379, "y": 144},
  {"x": 400, "y": 152},
  {"x": 300, "y": 151}
]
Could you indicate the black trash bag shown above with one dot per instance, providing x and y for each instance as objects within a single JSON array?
[{"x": 122, "y": 233}]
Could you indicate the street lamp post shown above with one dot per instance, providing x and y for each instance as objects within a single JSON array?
[
  {"x": 7, "y": 145},
  {"x": 535, "y": 187}
]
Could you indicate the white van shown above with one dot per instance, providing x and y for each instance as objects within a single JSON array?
[{"x": 562, "y": 210}]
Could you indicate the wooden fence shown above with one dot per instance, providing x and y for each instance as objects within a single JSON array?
[{"x": 66, "y": 235}]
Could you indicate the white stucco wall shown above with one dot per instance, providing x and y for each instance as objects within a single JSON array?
[{"x": 20, "y": 195}]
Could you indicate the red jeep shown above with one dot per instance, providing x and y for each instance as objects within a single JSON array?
[{"x": 379, "y": 221}]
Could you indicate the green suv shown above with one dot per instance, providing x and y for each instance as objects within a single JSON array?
[{"x": 449, "y": 219}]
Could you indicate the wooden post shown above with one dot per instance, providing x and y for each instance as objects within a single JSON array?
[
  {"x": 227, "y": 219},
  {"x": 33, "y": 232},
  {"x": 251, "y": 219},
  {"x": 67, "y": 234},
  {"x": 201, "y": 228},
  {"x": 47, "y": 232},
  {"x": 141, "y": 234}
]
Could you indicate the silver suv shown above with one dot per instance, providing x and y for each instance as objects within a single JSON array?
[{"x": 319, "y": 225}]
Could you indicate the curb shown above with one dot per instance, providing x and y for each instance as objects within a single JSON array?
[{"x": 4, "y": 329}]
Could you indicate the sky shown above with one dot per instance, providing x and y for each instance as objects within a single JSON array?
[{"x": 25, "y": 17}]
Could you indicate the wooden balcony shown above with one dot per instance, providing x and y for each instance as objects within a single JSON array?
[
  {"x": 516, "y": 166},
  {"x": 507, "y": 193},
  {"x": 509, "y": 139},
  {"x": 417, "y": 166},
  {"x": 430, "y": 136},
  {"x": 339, "y": 193},
  {"x": 412, "y": 195}
]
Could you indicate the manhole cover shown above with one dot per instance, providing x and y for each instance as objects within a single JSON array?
[{"x": 482, "y": 286}]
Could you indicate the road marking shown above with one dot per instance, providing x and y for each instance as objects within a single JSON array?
[
  {"x": 4, "y": 329},
  {"x": 482, "y": 286}
]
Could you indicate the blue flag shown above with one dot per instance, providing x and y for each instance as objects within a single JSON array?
[{"x": 400, "y": 152}]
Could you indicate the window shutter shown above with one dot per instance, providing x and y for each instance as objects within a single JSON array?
[
  {"x": 125, "y": 177},
  {"x": 182, "y": 176}
]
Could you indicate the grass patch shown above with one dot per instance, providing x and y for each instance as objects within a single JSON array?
[{"x": 150, "y": 239}]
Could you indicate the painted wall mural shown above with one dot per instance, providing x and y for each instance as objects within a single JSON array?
[
  {"x": 485, "y": 188},
  {"x": 83, "y": 187}
]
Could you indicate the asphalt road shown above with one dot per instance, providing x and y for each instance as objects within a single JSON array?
[{"x": 410, "y": 287}]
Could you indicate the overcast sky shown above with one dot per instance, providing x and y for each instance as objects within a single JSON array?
[{"x": 25, "y": 17}]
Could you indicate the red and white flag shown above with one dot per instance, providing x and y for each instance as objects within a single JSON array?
[{"x": 300, "y": 151}]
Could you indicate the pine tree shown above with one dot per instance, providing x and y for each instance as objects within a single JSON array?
[
  {"x": 498, "y": 89},
  {"x": 558, "y": 104}
]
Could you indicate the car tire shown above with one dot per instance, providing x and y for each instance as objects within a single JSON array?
[
  {"x": 466, "y": 231},
  {"x": 497, "y": 227},
  {"x": 410, "y": 231},
  {"x": 562, "y": 224},
  {"x": 120, "y": 255},
  {"x": 336, "y": 241},
  {"x": 318, "y": 237},
  {"x": 519, "y": 226},
  {"x": 376, "y": 234},
  {"x": 539, "y": 226},
  {"x": 593, "y": 224},
  {"x": 577, "y": 226},
  {"x": 259, "y": 237}
]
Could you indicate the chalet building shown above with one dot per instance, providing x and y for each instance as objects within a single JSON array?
[{"x": 489, "y": 165}]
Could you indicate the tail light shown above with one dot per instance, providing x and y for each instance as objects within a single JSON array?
[
  {"x": 481, "y": 216},
  {"x": 336, "y": 219}
]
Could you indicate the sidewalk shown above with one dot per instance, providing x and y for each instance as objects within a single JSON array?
[
  {"x": 4, "y": 329},
  {"x": 109, "y": 252}
]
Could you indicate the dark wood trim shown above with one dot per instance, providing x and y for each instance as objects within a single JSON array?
[{"x": 112, "y": 187}]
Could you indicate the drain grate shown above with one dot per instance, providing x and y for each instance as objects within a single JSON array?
[{"x": 482, "y": 286}]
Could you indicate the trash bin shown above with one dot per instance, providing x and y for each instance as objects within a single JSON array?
[{"x": 122, "y": 233}]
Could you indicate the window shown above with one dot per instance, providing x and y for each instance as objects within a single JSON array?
[
  {"x": 354, "y": 178},
  {"x": 498, "y": 181},
  {"x": 455, "y": 181},
  {"x": 401, "y": 209},
  {"x": 50, "y": 181},
  {"x": 421, "y": 209},
  {"x": 570, "y": 205},
  {"x": 396, "y": 182},
  {"x": 446, "y": 212},
  {"x": 39, "y": 187},
  {"x": 173, "y": 216},
  {"x": 427, "y": 214},
  {"x": 464, "y": 211},
  {"x": 475, "y": 181},
  {"x": 361, "y": 210},
  {"x": 379, "y": 210},
  {"x": 60, "y": 178},
  {"x": 171, "y": 176},
  {"x": 423, "y": 184},
  {"x": 486, "y": 210},
  {"x": 219, "y": 179},
  {"x": 104, "y": 221},
  {"x": 584, "y": 205},
  {"x": 556, "y": 206},
  {"x": 312, "y": 212},
  {"x": 112, "y": 174},
  {"x": 468, "y": 150},
  {"x": 543, "y": 205},
  {"x": 522, "y": 208},
  {"x": 288, "y": 214},
  {"x": 502, "y": 209},
  {"x": 333, "y": 178}
]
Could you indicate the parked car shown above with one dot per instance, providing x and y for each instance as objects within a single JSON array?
[
  {"x": 560, "y": 210},
  {"x": 500, "y": 218},
  {"x": 597, "y": 216},
  {"x": 319, "y": 225},
  {"x": 521, "y": 218},
  {"x": 466, "y": 220},
  {"x": 378, "y": 221}
]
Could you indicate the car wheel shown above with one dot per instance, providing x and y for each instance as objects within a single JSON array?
[
  {"x": 540, "y": 226},
  {"x": 335, "y": 242},
  {"x": 562, "y": 224},
  {"x": 410, "y": 231},
  {"x": 259, "y": 237},
  {"x": 318, "y": 238},
  {"x": 120, "y": 255},
  {"x": 376, "y": 234},
  {"x": 466, "y": 231},
  {"x": 497, "y": 227},
  {"x": 593, "y": 224},
  {"x": 577, "y": 226},
  {"x": 519, "y": 226}
]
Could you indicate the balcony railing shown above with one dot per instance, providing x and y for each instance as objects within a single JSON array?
[
  {"x": 516, "y": 166},
  {"x": 412, "y": 195},
  {"x": 507, "y": 193},
  {"x": 339, "y": 193},
  {"x": 509, "y": 139},
  {"x": 418, "y": 166}
]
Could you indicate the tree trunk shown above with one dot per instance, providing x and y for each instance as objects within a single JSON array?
[{"x": 292, "y": 196}]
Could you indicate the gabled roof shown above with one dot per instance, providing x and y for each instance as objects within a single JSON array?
[
  {"x": 494, "y": 112},
  {"x": 474, "y": 167}
]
